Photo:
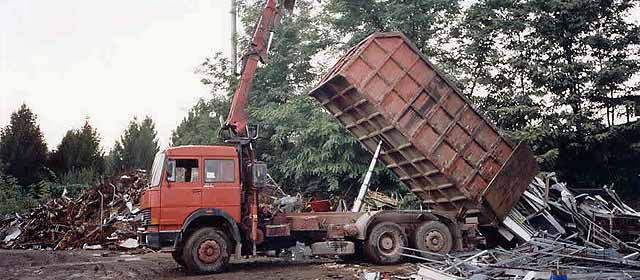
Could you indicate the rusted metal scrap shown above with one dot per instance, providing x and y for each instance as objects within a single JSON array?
[{"x": 102, "y": 215}]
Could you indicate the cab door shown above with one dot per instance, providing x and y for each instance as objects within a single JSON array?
[
  {"x": 221, "y": 188},
  {"x": 182, "y": 193}
]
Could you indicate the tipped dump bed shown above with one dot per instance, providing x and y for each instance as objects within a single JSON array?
[{"x": 434, "y": 140}]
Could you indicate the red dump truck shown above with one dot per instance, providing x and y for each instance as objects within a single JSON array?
[{"x": 202, "y": 204}]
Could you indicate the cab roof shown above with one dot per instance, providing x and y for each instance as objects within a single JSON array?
[{"x": 201, "y": 150}]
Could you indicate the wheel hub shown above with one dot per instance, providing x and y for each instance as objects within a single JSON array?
[
  {"x": 387, "y": 244},
  {"x": 434, "y": 241},
  {"x": 209, "y": 251}
]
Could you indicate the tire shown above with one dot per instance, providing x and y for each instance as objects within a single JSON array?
[
  {"x": 206, "y": 251},
  {"x": 434, "y": 237},
  {"x": 177, "y": 257},
  {"x": 383, "y": 243}
]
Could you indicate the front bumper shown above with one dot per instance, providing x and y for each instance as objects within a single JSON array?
[{"x": 158, "y": 240}]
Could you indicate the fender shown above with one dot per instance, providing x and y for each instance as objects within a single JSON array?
[{"x": 210, "y": 212}]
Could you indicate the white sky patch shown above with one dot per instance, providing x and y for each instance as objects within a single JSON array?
[{"x": 107, "y": 60}]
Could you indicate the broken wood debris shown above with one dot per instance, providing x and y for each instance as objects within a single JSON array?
[{"x": 100, "y": 217}]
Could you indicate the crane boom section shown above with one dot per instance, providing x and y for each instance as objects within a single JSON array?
[{"x": 256, "y": 52}]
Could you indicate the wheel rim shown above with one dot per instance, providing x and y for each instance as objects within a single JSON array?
[
  {"x": 209, "y": 251},
  {"x": 434, "y": 241},
  {"x": 388, "y": 243}
]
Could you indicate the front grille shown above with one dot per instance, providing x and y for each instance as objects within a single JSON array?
[{"x": 146, "y": 217}]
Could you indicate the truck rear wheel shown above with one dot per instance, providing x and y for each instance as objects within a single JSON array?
[
  {"x": 383, "y": 245},
  {"x": 434, "y": 237},
  {"x": 206, "y": 251}
]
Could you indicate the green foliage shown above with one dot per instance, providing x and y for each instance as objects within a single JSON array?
[
  {"x": 8, "y": 195},
  {"x": 203, "y": 123},
  {"x": 426, "y": 22},
  {"x": 309, "y": 156},
  {"x": 83, "y": 177},
  {"x": 606, "y": 158},
  {"x": 136, "y": 148},
  {"x": 13, "y": 198},
  {"x": 78, "y": 150},
  {"x": 22, "y": 147}
]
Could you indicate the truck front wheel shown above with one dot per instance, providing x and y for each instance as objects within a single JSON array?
[
  {"x": 383, "y": 246},
  {"x": 177, "y": 256},
  {"x": 206, "y": 251},
  {"x": 434, "y": 237}
]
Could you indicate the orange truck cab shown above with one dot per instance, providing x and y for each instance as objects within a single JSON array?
[{"x": 191, "y": 185}]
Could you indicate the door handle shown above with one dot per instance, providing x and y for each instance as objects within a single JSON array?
[{"x": 196, "y": 191}]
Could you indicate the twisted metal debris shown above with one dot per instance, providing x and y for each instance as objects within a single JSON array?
[
  {"x": 103, "y": 215},
  {"x": 585, "y": 236}
]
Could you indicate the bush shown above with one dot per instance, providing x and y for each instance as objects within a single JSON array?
[{"x": 13, "y": 197}]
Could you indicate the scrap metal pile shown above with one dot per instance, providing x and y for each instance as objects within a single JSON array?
[
  {"x": 537, "y": 259},
  {"x": 100, "y": 217},
  {"x": 550, "y": 209},
  {"x": 582, "y": 236}
]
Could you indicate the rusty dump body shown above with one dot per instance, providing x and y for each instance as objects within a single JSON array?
[{"x": 434, "y": 140}]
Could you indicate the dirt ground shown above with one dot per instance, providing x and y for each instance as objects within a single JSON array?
[{"x": 80, "y": 264}]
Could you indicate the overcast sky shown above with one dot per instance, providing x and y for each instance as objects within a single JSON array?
[{"x": 107, "y": 60}]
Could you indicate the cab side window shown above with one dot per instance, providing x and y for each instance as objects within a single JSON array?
[
  {"x": 182, "y": 170},
  {"x": 219, "y": 170}
]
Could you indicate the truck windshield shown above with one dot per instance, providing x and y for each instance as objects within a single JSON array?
[{"x": 156, "y": 170}]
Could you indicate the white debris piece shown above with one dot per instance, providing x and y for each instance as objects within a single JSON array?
[
  {"x": 129, "y": 243},
  {"x": 369, "y": 275},
  {"x": 91, "y": 247},
  {"x": 13, "y": 235},
  {"x": 427, "y": 273}
]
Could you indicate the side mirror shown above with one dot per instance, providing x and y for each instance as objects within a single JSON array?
[
  {"x": 259, "y": 173},
  {"x": 170, "y": 172},
  {"x": 253, "y": 132}
]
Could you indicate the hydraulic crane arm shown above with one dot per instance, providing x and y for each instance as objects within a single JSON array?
[
  {"x": 238, "y": 115},
  {"x": 257, "y": 51}
]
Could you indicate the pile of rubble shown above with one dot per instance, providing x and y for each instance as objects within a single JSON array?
[
  {"x": 100, "y": 217},
  {"x": 586, "y": 236}
]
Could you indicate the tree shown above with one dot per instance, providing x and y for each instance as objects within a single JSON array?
[
  {"x": 79, "y": 149},
  {"x": 22, "y": 147},
  {"x": 426, "y": 22},
  {"x": 584, "y": 54},
  {"x": 136, "y": 148},
  {"x": 202, "y": 124}
]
